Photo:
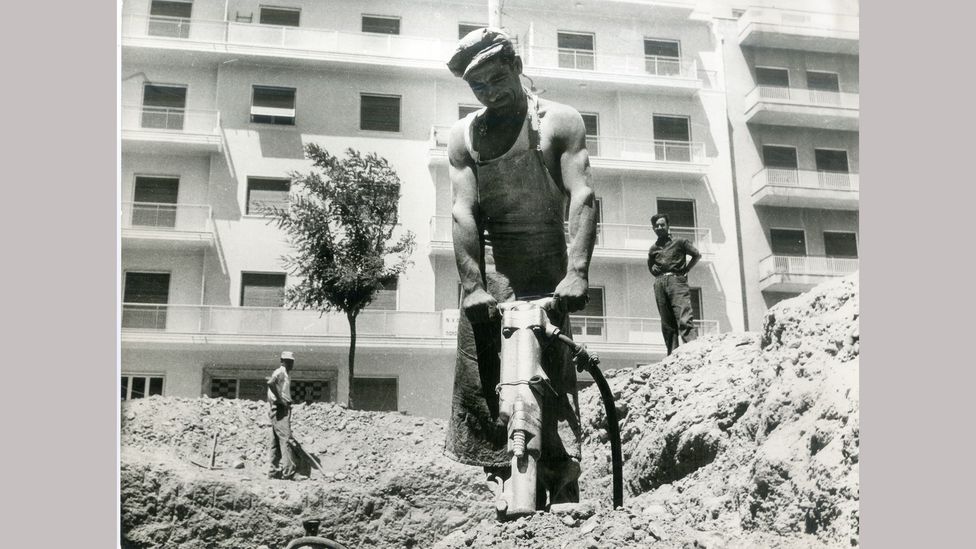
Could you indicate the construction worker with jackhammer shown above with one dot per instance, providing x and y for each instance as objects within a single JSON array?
[{"x": 513, "y": 165}]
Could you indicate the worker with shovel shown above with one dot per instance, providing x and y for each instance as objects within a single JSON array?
[{"x": 279, "y": 396}]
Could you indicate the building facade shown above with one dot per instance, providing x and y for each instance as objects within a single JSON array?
[{"x": 220, "y": 96}]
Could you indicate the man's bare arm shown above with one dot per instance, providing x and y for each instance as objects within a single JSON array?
[
  {"x": 477, "y": 303},
  {"x": 695, "y": 256},
  {"x": 574, "y": 168},
  {"x": 273, "y": 386}
]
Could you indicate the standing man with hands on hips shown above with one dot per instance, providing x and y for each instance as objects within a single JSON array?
[{"x": 667, "y": 262}]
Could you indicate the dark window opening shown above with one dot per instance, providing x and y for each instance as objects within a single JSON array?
[
  {"x": 839, "y": 244},
  {"x": 779, "y": 157},
  {"x": 273, "y": 105},
  {"x": 282, "y": 17},
  {"x": 262, "y": 290},
  {"x": 777, "y": 78},
  {"x": 662, "y": 56},
  {"x": 696, "y": 304},
  {"x": 169, "y": 19},
  {"x": 163, "y": 106},
  {"x": 144, "y": 300},
  {"x": 672, "y": 135},
  {"x": 681, "y": 213},
  {"x": 831, "y": 160},
  {"x": 141, "y": 386},
  {"x": 379, "y": 113},
  {"x": 154, "y": 201},
  {"x": 575, "y": 50},
  {"x": 375, "y": 393},
  {"x": 591, "y": 122},
  {"x": 788, "y": 242},
  {"x": 382, "y": 25},
  {"x": 823, "y": 81},
  {"x": 594, "y": 308}
]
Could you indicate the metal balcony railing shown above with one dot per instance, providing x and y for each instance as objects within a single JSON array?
[
  {"x": 802, "y": 97},
  {"x": 797, "y": 18},
  {"x": 588, "y": 60},
  {"x": 299, "y": 39},
  {"x": 166, "y": 217},
  {"x": 273, "y": 321},
  {"x": 622, "y": 330},
  {"x": 202, "y": 122},
  {"x": 610, "y": 236},
  {"x": 806, "y": 265},
  {"x": 806, "y": 179}
]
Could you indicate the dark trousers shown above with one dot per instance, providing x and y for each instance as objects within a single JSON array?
[
  {"x": 674, "y": 305},
  {"x": 282, "y": 459}
]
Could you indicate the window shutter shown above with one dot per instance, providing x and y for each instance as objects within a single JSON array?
[
  {"x": 837, "y": 244},
  {"x": 661, "y": 48},
  {"x": 671, "y": 128},
  {"x": 262, "y": 290},
  {"x": 575, "y": 41},
  {"x": 172, "y": 97},
  {"x": 831, "y": 161},
  {"x": 266, "y": 193},
  {"x": 146, "y": 288},
  {"x": 787, "y": 242},
  {"x": 383, "y": 25},
  {"x": 158, "y": 190},
  {"x": 772, "y": 77},
  {"x": 779, "y": 157},
  {"x": 280, "y": 17},
  {"x": 170, "y": 9},
  {"x": 379, "y": 113},
  {"x": 681, "y": 213}
]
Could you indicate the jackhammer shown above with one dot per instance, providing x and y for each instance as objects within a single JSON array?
[{"x": 522, "y": 389}]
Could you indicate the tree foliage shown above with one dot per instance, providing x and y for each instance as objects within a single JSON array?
[{"x": 341, "y": 221}]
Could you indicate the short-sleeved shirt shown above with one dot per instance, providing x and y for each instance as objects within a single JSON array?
[
  {"x": 671, "y": 256},
  {"x": 282, "y": 382}
]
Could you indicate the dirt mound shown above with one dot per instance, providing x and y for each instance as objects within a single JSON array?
[{"x": 735, "y": 441}]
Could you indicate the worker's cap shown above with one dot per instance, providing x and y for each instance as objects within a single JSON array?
[
  {"x": 288, "y": 355},
  {"x": 477, "y": 47}
]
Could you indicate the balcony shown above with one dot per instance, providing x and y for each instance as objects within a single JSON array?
[
  {"x": 614, "y": 241},
  {"x": 806, "y": 189},
  {"x": 781, "y": 106},
  {"x": 166, "y": 226},
  {"x": 200, "y": 324},
  {"x": 793, "y": 274},
  {"x": 297, "y": 46},
  {"x": 571, "y": 68},
  {"x": 799, "y": 30},
  {"x": 146, "y": 324},
  {"x": 623, "y": 335},
  {"x": 679, "y": 159},
  {"x": 164, "y": 130}
]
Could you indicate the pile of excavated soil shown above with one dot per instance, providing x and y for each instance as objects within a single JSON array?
[{"x": 735, "y": 441}]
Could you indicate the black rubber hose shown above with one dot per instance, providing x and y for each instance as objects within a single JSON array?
[{"x": 592, "y": 365}]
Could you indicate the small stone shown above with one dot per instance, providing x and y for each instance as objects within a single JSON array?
[
  {"x": 238, "y": 464},
  {"x": 568, "y": 520},
  {"x": 589, "y": 526}
]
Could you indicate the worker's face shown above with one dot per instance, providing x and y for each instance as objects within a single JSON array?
[
  {"x": 288, "y": 364},
  {"x": 661, "y": 228},
  {"x": 496, "y": 84}
]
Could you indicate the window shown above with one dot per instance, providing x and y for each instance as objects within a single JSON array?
[
  {"x": 379, "y": 113},
  {"x": 788, "y": 241},
  {"x": 681, "y": 213},
  {"x": 264, "y": 193},
  {"x": 282, "y": 17},
  {"x": 696, "y": 303},
  {"x": 137, "y": 386},
  {"x": 592, "y": 325},
  {"x": 575, "y": 50},
  {"x": 375, "y": 393},
  {"x": 772, "y": 77},
  {"x": 386, "y": 299},
  {"x": 262, "y": 290},
  {"x": 302, "y": 390},
  {"x": 464, "y": 110},
  {"x": 273, "y": 105},
  {"x": 662, "y": 57},
  {"x": 840, "y": 244},
  {"x": 144, "y": 300},
  {"x": 169, "y": 18},
  {"x": 154, "y": 201},
  {"x": 163, "y": 106},
  {"x": 465, "y": 28},
  {"x": 831, "y": 160},
  {"x": 592, "y": 124},
  {"x": 381, "y": 24},
  {"x": 823, "y": 81},
  {"x": 777, "y": 156},
  {"x": 672, "y": 135}
]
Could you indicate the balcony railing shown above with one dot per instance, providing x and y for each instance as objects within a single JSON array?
[
  {"x": 298, "y": 39},
  {"x": 806, "y": 265},
  {"x": 588, "y": 60},
  {"x": 270, "y": 322},
  {"x": 807, "y": 179},
  {"x": 802, "y": 97},
  {"x": 797, "y": 18},
  {"x": 166, "y": 217},
  {"x": 658, "y": 150},
  {"x": 171, "y": 120},
  {"x": 273, "y": 321},
  {"x": 610, "y": 236},
  {"x": 592, "y": 329}
]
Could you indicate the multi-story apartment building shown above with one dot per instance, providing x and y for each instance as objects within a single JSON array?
[
  {"x": 219, "y": 97},
  {"x": 793, "y": 107}
]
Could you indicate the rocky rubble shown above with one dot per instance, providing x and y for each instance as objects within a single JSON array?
[{"x": 735, "y": 441}]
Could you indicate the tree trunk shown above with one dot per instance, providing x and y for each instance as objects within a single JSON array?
[{"x": 352, "y": 357}]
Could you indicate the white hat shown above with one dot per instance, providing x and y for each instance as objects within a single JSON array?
[{"x": 287, "y": 355}]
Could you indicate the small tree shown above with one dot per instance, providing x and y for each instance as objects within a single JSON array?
[{"x": 341, "y": 222}]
